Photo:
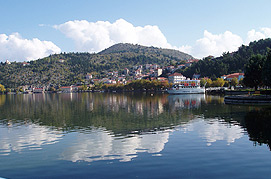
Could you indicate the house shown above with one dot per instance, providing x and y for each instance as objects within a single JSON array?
[
  {"x": 61, "y": 60},
  {"x": 138, "y": 72},
  {"x": 8, "y": 62},
  {"x": 176, "y": 78},
  {"x": 181, "y": 66},
  {"x": 38, "y": 90},
  {"x": 229, "y": 77},
  {"x": 126, "y": 71},
  {"x": 115, "y": 73},
  {"x": 192, "y": 60},
  {"x": 66, "y": 89},
  {"x": 89, "y": 76},
  {"x": 170, "y": 68},
  {"x": 158, "y": 72},
  {"x": 154, "y": 66},
  {"x": 25, "y": 64},
  {"x": 121, "y": 80},
  {"x": 163, "y": 79},
  {"x": 188, "y": 64}
]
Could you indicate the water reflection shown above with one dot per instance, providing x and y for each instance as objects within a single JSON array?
[
  {"x": 119, "y": 126},
  {"x": 185, "y": 101},
  {"x": 258, "y": 125},
  {"x": 15, "y": 138},
  {"x": 102, "y": 145},
  {"x": 215, "y": 130}
]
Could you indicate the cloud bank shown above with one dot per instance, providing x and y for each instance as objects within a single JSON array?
[
  {"x": 96, "y": 36},
  {"x": 16, "y": 48}
]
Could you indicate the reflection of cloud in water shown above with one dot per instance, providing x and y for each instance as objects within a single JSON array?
[
  {"x": 101, "y": 145},
  {"x": 31, "y": 136},
  {"x": 215, "y": 130}
]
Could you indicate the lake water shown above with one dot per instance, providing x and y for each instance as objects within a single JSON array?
[{"x": 100, "y": 135}]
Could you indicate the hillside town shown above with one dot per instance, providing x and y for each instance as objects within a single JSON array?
[{"x": 152, "y": 72}]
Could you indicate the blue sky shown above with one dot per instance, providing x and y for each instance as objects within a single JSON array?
[{"x": 197, "y": 27}]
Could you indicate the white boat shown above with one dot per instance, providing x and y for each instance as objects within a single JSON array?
[{"x": 187, "y": 87}]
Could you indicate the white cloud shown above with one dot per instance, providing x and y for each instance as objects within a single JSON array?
[
  {"x": 253, "y": 35},
  {"x": 212, "y": 44},
  {"x": 96, "y": 36},
  {"x": 15, "y": 48}
]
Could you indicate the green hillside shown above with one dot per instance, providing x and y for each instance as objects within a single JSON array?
[
  {"x": 127, "y": 48},
  {"x": 229, "y": 62},
  {"x": 51, "y": 71}
]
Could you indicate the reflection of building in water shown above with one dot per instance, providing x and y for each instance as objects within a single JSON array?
[
  {"x": 101, "y": 145},
  {"x": 185, "y": 101},
  {"x": 114, "y": 103},
  {"x": 28, "y": 136},
  {"x": 215, "y": 130}
]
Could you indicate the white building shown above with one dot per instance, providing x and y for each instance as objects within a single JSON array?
[
  {"x": 158, "y": 72},
  {"x": 89, "y": 76},
  {"x": 176, "y": 78},
  {"x": 8, "y": 62}
]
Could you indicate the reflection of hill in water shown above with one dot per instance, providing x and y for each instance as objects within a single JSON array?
[
  {"x": 120, "y": 113},
  {"x": 119, "y": 126}
]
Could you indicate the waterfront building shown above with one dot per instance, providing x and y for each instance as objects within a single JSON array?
[{"x": 176, "y": 78}]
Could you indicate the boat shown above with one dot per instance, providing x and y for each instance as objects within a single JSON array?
[{"x": 187, "y": 87}]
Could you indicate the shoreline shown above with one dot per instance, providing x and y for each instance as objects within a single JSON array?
[{"x": 248, "y": 99}]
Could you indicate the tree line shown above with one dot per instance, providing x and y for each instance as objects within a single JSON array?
[
  {"x": 258, "y": 71},
  {"x": 229, "y": 62}
]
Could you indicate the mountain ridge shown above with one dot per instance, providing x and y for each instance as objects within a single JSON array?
[{"x": 128, "y": 47}]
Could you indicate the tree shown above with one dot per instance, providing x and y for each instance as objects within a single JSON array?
[
  {"x": 234, "y": 81},
  {"x": 2, "y": 89},
  {"x": 253, "y": 71},
  {"x": 209, "y": 83},
  {"x": 226, "y": 84},
  {"x": 202, "y": 82},
  {"x": 266, "y": 75},
  {"x": 219, "y": 82}
]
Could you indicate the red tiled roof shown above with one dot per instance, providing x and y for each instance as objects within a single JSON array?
[
  {"x": 234, "y": 75},
  {"x": 176, "y": 74}
]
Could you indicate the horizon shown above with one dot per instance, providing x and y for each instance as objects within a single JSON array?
[{"x": 35, "y": 29}]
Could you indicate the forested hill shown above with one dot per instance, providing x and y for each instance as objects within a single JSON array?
[
  {"x": 70, "y": 68},
  {"x": 130, "y": 48},
  {"x": 228, "y": 62}
]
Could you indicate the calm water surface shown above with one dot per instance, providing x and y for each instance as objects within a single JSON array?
[{"x": 97, "y": 135}]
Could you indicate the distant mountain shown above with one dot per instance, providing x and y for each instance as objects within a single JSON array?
[{"x": 128, "y": 48}]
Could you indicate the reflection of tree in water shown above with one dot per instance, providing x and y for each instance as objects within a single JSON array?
[
  {"x": 258, "y": 126},
  {"x": 2, "y": 100},
  {"x": 119, "y": 113}
]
